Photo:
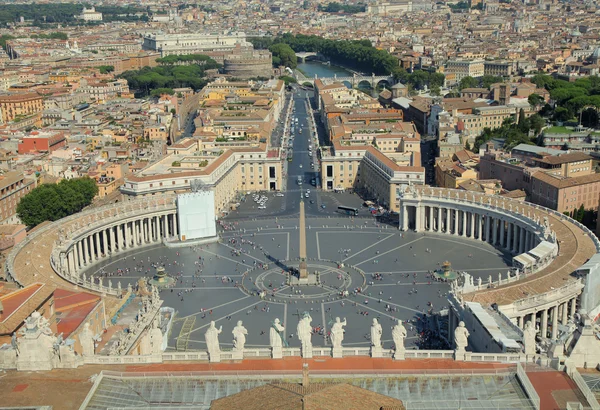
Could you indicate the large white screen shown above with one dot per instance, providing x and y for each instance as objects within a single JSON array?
[{"x": 196, "y": 215}]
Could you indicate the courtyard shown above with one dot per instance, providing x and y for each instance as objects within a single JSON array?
[{"x": 386, "y": 274}]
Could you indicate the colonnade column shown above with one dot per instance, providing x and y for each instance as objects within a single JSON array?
[
  {"x": 439, "y": 219},
  {"x": 430, "y": 225},
  {"x": 472, "y": 230},
  {"x": 487, "y": 228},
  {"x": 85, "y": 251},
  {"x": 105, "y": 242},
  {"x": 97, "y": 243},
  {"x": 71, "y": 261},
  {"x": 464, "y": 223},
  {"x": 522, "y": 241},
  {"x": 119, "y": 237},
  {"x": 509, "y": 236},
  {"x": 544, "y": 326},
  {"x": 456, "y": 214},
  {"x": 573, "y": 307},
  {"x": 515, "y": 241},
  {"x": 126, "y": 235},
  {"x": 501, "y": 224},
  {"x": 554, "y": 322},
  {"x": 166, "y": 231},
  {"x": 564, "y": 313}
]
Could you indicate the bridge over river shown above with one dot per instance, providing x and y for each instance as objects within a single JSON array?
[{"x": 353, "y": 81}]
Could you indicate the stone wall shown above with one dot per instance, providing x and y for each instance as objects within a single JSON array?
[{"x": 248, "y": 65}]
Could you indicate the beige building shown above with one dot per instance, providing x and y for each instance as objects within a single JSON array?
[
  {"x": 236, "y": 170},
  {"x": 363, "y": 167},
  {"x": 20, "y": 105},
  {"x": 13, "y": 186},
  {"x": 465, "y": 68},
  {"x": 565, "y": 194}
]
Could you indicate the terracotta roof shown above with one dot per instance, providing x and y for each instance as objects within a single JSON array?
[
  {"x": 562, "y": 182},
  {"x": 72, "y": 308},
  {"x": 19, "y": 305},
  {"x": 563, "y": 158},
  {"x": 322, "y": 396}
]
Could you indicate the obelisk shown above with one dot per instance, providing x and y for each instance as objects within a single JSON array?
[{"x": 302, "y": 267}]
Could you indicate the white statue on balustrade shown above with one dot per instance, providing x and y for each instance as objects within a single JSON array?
[
  {"x": 304, "y": 331},
  {"x": 156, "y": 338},
  {"x": 239, "y": 336},
  {"x": 337, "y": 333},
  {"x": 461, "y": 337},
  {"x": 86, "y": 340},
  {"x": 145, "y": 344},
  {"x": 398, "y": 335},
  {"x": 376, "y": 332},
  {"x": 276, "y": 334},
  {"x": 276, "y": 339},
  {"x": 211, "y": 336},
  {"x": 529, "y": 333}
]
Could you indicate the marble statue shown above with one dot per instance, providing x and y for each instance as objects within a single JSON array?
[
  {"x": 376, "y": 334},
  {"x": 86, "y": 340},
  {"x": 276, "y": 334},
  {"x": 398, "y": 335},
  {"x": 156, "y": 339},
  {"x": 337, "y": 333},
  {"x": 211, "y": 336},
  {"x": 529, "y": 338},
  {"x": 479, "y": 281},
  {"x": 239, "y": 336},
  {"x": 461, "y": 335},
  {"x": 145, "y": 345},
  {"x": 304, "y": 332}
]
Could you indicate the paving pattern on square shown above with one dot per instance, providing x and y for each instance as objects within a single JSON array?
[{"x": 394, "y": 278}]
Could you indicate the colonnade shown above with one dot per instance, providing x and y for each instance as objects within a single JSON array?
[
  {"x": 498, "y": 230},
  {"x": 119, "y": 237},
  {"x": 558, "y": 313}
]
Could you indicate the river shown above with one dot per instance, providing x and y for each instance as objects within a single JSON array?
[{"x": 311, "y": 68}]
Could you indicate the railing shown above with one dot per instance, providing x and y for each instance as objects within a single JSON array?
[
  {"x": 495, "y": 357},
  {"x": 564, "y": 291},
  {"x": 129, "y": 359},
  {"x": 429, "y": 354},
  {"x": 585, "y": 389},
  {"x": 528, "y": 387}
]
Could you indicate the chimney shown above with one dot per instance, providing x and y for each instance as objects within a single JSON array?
[{"x": 305, "y": 375}]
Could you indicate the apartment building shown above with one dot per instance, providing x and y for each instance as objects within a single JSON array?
[
  {"x": 465, "y": 68},
  {"x": 364, "y": 167},
  {"x": 102, "y": 91},
  {"x": 499, "y": 68},
  {"x": 41, "y": 141},
  {"x": 13, "y": 186},
  {"x": 564, "y": 194},
  {"x": 20, "y": 105},
  {"x": 235, "y": 170}
]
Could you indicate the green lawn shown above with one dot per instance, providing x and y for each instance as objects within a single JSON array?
[{"x": 558, "y": 130}]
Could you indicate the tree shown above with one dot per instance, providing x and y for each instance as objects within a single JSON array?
[
  {"x": 467, "y": 146},
  {"x": 580, "y": 213},
  {"x": 468, "y": 82},
  {"x": 50, "y": 202},
  {"x": 536, "y": 123},
  {"x": 535, "y": 100},
  {"x": 487, "y": 80},
  {"x": 105, "y": 69},
  {"x": 283, "y": 55}
]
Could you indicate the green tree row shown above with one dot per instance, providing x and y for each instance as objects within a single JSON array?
[
  {"x": 484, "y": 82},
  {"x": 54, "y": 13},
  {"x": 571, "y": 98},
  {"x": 147, "y": 79},
  {"x": 50, "y": 202},
  {"x": 283, "y": 55},
  {"x": 333, "y": 7},
  {"x": 356, "y": 54},
  {"x": 513, "y": 133},
  {"x": 418, "y": 79}
]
